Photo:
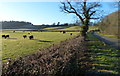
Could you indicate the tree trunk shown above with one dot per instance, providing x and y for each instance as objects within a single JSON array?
[{"x": 85, "y": 28}]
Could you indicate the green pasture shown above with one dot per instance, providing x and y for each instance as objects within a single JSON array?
[
  {"x": 105, "y": 58},
  {"x": 71, "y": 28},
  {"x": 56, "y": 28},
  {"x": 65, "y": 28},
  {"x": 93, "y": 28},
  {"x": 16, "y": 45}
]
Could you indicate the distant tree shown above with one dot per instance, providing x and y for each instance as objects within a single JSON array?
[
  {"x": 14, "y": 23},
  {"x": 66, "y": 24},
  {"x": 77, "y": 22},
  {"x": 58, "y": 23},
  {"x": 84, "y": 10},
  {"x": 53, "y": 24}
]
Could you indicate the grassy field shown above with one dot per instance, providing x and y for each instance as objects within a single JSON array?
[
  {"x": 65, "y": 28},
  {"x": 17, "y": 46},
  {"x": 71, "y": 28},
  {"x": 55, "y": 28},
  {"x": 93, "y": 28},
  {"x": 105, "y": 58}
]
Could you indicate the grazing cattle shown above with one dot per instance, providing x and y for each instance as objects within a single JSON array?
[
  {"x": 70, "y": 33},
  {"x": 3, "y": 36},
  {"x": 24, "y": 36},
  {"x": 7, "y": 36},
  {"x": 64, "y": 32},
  {"x": 31, "y": 37},
  {"x": 28, "y": 33},
  {"x": 13, "y": 31},
  {"x": 40, "y": 30},
  {"x": 60, "y": 31}
]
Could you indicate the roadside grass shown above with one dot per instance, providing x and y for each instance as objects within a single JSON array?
[
  {"x": 105, "y": 58},
  {"x": 112, "y": 36},
  {"x": 17, "y": 46}
]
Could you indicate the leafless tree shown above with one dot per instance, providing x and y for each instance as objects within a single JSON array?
[{"x": 83, "y": 9}]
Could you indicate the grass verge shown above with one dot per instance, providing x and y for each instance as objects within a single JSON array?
[
  {"x": 105, "y": 59},
  {"x": 111, "y": 36}
]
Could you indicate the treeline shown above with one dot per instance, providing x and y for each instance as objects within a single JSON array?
[
  {"x": 14, "y": 23},
  {"x": 110, "y": 24},
  {"x": 54, "y": 25}
]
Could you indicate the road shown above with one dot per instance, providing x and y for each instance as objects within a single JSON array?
[{"x": 111, "y": 41}]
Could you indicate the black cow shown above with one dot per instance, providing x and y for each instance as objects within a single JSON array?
[
  {"x": 3, "y": 36},
  {"x": 60, "y": 31},
  {"x": 70, "y": 33},
  {"x": 28, "y": 33},
  {"x": 31, "y": 37},
  {"x": 24, "y": 36},
  {"x": 64, "y": 32},
  {"x": 7, "y": 36}
]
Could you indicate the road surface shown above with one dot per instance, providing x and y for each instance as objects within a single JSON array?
[{"x": 111, "y": 41}]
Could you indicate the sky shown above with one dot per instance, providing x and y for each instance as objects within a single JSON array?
[{"x": 40, "y": 12}]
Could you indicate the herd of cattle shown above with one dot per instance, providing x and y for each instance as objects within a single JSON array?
[
  {"x": 30, "y": 37},
  {"x": 5, "y": 36},
  {"x": 24, "y": 36}
]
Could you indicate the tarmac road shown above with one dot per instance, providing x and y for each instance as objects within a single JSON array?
[{"x": 111, "y": 41}]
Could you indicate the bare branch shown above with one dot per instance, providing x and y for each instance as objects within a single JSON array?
[
  {"x": 92, "y": 13},
  {"x": 85, "y": 11},
  {"x": 71, "y": 6},
  {"x": 72, "y": 10},
  {"x": 94, "y": 18},
  {"x": 93, "y": 6}
]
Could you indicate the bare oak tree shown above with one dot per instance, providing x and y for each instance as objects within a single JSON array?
[{"x": 84, "y": 10}]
